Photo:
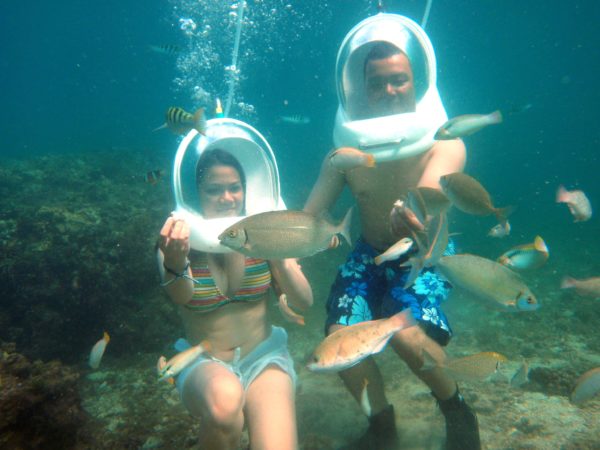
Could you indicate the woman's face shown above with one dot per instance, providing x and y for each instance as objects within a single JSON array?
[{"x": 221, "y": 192}]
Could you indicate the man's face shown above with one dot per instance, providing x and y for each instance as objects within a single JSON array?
[{"x": 390, "y": 86}]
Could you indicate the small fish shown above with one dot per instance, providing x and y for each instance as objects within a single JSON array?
[
  {"x": 296, "y": 119},
  {"x": 160, "y": 364},
  {"x": 365, "y": 404},
  {"x": 466, "y": 124},
  {"x": 180, "y": 361},
  {"x": 180, "y": 121},
  {"x": 98, "y": 351},
  {"x": 468, "y": 195},
  {"x": 402, "y": 218},
  {"x": 527, "y": 256},
  {"x": 395, "y": 251},
  {"x": 166, "y": 49},
  {"x": 578, "y": 203},
  {"x": 153, "y": 176},
  {"x": 348, "y": 158},
  {"x": 284, "y": 234},
  {"x": 349, "y": 345},
  {"x": 501, "y": 230},
  {"x": 589, "y": 287},
  {"x": 488, "y": 280},
  {"x": 288, "y": 313},
  {"x": 586, "y": 386},
  {"x": 521, "y": 376},
  {"x": 475, "y": 367}
]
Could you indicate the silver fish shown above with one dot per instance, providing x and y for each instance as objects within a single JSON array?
[
  {"x": 586, "y": 386},
  {"x": 577, "y": 201},
  {"x": 395, "y": 251},
  {"x": 466, "y": 125},
  {"x": 590, "y": 287}
]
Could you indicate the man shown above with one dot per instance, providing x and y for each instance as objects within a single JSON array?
[{"x": 364, "y": 291}]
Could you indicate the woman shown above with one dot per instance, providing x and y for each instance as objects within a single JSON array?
[{"x": 248, "y": 377}]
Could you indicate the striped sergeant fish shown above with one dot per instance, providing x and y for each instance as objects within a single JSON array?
[
  {"x": 166, "y": 49},
  {"x": 295, "y": 119},
  {"x": 180, "y": 121}
]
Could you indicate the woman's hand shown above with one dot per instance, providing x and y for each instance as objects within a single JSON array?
[{"x": 175, "y": 243}]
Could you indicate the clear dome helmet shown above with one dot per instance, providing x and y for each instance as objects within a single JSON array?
[
  {"x": 255, "y": 156},
  {"x": 394, "y": 136}
]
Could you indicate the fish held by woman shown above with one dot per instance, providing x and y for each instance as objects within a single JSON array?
[
  {"x": 98, "y": 351},
  {"x": 349, "y": 345}
]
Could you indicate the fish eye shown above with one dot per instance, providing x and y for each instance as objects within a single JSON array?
[
  {"x": 530, "y": 300},
  {"x": 232, "y": 233}
]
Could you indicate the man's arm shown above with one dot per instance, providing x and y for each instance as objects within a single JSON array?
[
  {"x": 446, "y": 157},
  {"x": 326, "y": 190}
]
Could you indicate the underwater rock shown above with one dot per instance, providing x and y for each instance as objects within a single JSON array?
[{"x": 552, "y": 381}]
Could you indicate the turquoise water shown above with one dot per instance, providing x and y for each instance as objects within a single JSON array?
[{"x": 82, "y": 93}]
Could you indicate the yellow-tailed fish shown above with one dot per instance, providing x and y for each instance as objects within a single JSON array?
[
  {"x": 501, "y": 230},
  {"x": 349, "y": 345},
  {"x": 395, "y": 251},
  {"x": 348, "y": 158},
  {"x": 521, "y": 376},
  {"x": 98, "y": 350},
  {"x": 466, "y": 125},
  {"x": 586, "y": 386},
  {"x": 365, "y": 404},
  {"x": 578, "y": 203},
  {"x": 475, "y": 367},
  {"x": 590, "y": 287},
  {"x": 527, "y": 256},
  {"x": 180, "y": 121},
  {"x": 181, "y": 360},
  {"x": 284, "y": 234},
  {"x": 288, "y": 313},
  {"x": 468, "y": 195},
  {"x": 488, "y": 280}
]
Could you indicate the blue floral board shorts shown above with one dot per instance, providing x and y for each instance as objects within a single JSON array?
[{"x": 364, "y": 291}]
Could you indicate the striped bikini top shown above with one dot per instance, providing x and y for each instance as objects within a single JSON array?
[{"x": 208, "y": 297}]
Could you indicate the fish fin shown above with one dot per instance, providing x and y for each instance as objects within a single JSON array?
[
  {"x": 429, "y": 363},
  {"x": 495, "y": 117},
  {"x": 200, "y": 121},
  {"x": 540, "y": 245},
  {"x": 416, "y": 264},
  {"x": 567, "y": 283},
  {"x": 503, "y": 213},
  {"x": 378, "y": 260},
  {"x": 370, "y": 160},
  {"x": 364, "y": 399},
  {"x": 163, "y": 126},
  {"x": 344, "y": 227},
  {"x": 106, "y": 337}
]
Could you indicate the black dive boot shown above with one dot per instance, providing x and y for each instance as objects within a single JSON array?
[
  {"x": 381, "y": 434},
  {"x": 462, "y": 429}
]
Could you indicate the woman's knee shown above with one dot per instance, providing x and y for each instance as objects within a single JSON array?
[{"x": 224, "y": 401}]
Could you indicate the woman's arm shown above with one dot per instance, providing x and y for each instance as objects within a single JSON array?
[
  {"x": 173, "y": 264},
  {"x": 292, "y": 282}
]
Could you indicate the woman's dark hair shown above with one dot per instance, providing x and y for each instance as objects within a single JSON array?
[{"x": 219, "y": 157}]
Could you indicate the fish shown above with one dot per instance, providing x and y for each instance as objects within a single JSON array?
[
  {"x": 288, "y": 313},
  {"x": 577, "y": 201},
  {"x": 347, "y": 346},
  {"x": 365, "y": 404},
  {"x": 284, "y": 234},
  {"x": 475, "y": 367},
  {"x": 395, "y": 251},
  {"x": 98, "y": 351},
  {"x": 348, "y": 158},
  {"x": 433, "y": 200},
  {"x": 402, "y": 217},
  {"x": 180, "y": 121},
  {"x": 521, "y": 376},
  {"x": 466, "y": 125},
  {"x": 468, "y": 195},
  {"x": 589, "y": 287},
  {"x": 527, "y": 256},
  {"x": 501, "y": 230},
  {"x": 153, "y": 176},
  {"x": 586, "y": 386},
  {"x": 166, "y": 49},
  {"x": 180, "y": 361},
  {"x": 296, "y": 119},
  {"x": 489, "y": 281}
]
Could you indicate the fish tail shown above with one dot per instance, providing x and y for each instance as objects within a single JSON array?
[
  {"x": 429, "y": 363},
  {"x": 370, "y": 160},
  {"x": 503, "y": 213},
  {"x": 344, "y": 227},
  {"x": 106, "y": 337},
  {"x": 200, "y": 121},
  {"x": 495, "y": 117},
  {"x": 567, "y": 283},
  {"x": 378, "y": 260},
  {"x": 561, "y": 194},
  {"x": 540, "y": 245}
]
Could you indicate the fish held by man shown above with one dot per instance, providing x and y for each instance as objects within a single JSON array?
[
  {"x": 475, "y": 367},
  {"x": 395, "y": 251},
  {"x": 586, "y": 386},
  {"x": 527, "y": 256},
  {"x": 468, "y": 195},
  {"x": 284, "y": 234},
  {"x": 179, "y": 121},
  {"x": 98, "y": 351},
  {"x": 466, "y": 125},
  {"x": 180, "y": 361},
  {"x": 488, "y": 281},
  {"x": 348, "y": 158},
  {"x": 589, "y": 287},
  {"x": 349, "y": 345},
  {"x": 578, "y": 203}
]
